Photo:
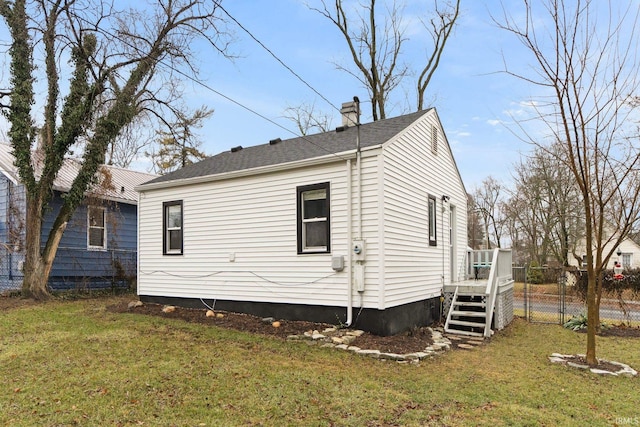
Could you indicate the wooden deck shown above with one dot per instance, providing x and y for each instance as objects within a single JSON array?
[{"x": 472, "y": 285}]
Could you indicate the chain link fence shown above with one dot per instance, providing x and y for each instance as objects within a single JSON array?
[
  {"x": 553, "y": 295},
  {"x": 10, "y": 269}
]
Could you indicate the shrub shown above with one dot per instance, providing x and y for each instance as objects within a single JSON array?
[
  {"x": 535, "y": 274},
  {"x": 611, "y": 287},
  {"x": 579, "y": 322},
  {"x": 576, "y": 323}
]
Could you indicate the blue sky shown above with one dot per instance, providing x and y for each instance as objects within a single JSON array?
[{"x": 475, "y": 101}]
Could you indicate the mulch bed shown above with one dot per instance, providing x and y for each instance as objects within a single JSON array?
[
  {"x": 620, "y": 331},
  {"x": 403, "y": 343}
]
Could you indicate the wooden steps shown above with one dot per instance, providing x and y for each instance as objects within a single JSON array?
[{"x": 467, "y": 314}]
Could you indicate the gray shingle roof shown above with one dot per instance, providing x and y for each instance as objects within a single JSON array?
[{"x": 290, "y": 150}]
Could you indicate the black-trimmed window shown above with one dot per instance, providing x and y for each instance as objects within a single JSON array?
[
  {"x": 172, "y": 226},
  {"x": 96, "y": 227},
  {"x": 433, "y": 240},
  {"x": 314, "y": 231}
]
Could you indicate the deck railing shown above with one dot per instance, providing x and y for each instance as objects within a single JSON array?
[{"x": 477, "y": 260}]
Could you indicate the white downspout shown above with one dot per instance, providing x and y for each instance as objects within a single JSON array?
[
  {"x": 360, "y": 237},
  {"x": 349, "y": 251},
  {"x": 359, "y": 172},
  {"x": 443, "y": 242},
  {"x": 350, "y": 259},
  {"x": 140, "y": 197}
]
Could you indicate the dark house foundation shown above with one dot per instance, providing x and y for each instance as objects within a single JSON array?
[{"x": 379, "y": 322}]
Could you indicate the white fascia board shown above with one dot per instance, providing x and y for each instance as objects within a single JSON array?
[
  {"x": 9, "y": 175},
  {"x": 107, "y": 198},
  {"x": 330, "y": 158}
]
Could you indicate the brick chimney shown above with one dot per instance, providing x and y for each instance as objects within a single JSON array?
[{"x": 350, "y": 112}]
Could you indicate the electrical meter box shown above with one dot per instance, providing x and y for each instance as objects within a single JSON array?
[{"x": 359, "y": 250}]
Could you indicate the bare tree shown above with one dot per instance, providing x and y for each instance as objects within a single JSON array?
[
  {"x": 375, "y": 40},
  {"x": 130, "y": 143},
  {"x": 488, "y": 204},
  {"x": 475, "y": 230},
  {"x": 440, "y": 28},
  {"x": 180, "y": 145},
  {"x": 585, "y": 67},
  {"x": 544, "y": 207},
  {"x": 307, "y": 118},
  {"x": 120, "y": 61}
]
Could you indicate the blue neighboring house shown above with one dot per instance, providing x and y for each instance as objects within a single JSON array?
[{"x": 99, "y": 246}]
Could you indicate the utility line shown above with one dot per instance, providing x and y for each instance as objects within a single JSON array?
[
  {"x": 276, "y": 57},
  {"x": 208, "y": 87}
]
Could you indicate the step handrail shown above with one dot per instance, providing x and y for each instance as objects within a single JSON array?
[
  {"x": 453, "y": 300},
  {"x": 500, "y": 270}
]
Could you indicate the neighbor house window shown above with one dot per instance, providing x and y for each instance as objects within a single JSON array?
[
  {"x": 313, "y": 218},
  {"x": 96, "y": 228},
  {"x": 172, "y": 226},
  {"x": 432, "y": 222},
  {"x": 627, "y": 260}
]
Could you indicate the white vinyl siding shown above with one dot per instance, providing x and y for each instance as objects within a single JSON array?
[
  {"x": 413, "y": 269},
  {"x": 374, "y": 285},
  {"x": 240, "y": 241},
  {"x": 241, "y": 235}
]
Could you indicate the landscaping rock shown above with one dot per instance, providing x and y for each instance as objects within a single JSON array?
[
  {"x": 625, "y": 370},
  {"x": 466, "y": 346},
  {"x": 370, "y": 353},
  {"x": 134, "y": 304}
]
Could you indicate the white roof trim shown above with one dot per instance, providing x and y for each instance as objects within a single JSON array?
[{"x": 329, "y": 158}]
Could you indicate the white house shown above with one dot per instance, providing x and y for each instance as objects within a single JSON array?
[
  {"x": 626, "y": 253},
  {"x": 362, "y": 226}
]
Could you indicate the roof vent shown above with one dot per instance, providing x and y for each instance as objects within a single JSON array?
[
  {"x": 274, "y": 141},
  {"x": 341, "y": 128},
  {"x": 236, "y": 149}
]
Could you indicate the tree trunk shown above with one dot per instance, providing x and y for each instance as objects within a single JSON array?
[
  {"x": 592, "y": 317},
  {"x": 35, "y": 279},
  {"x": 599, "y": 279},
  {"x": 38, "y": 260}
]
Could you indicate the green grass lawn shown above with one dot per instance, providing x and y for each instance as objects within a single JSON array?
[{"x": 75, "y": 363}]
